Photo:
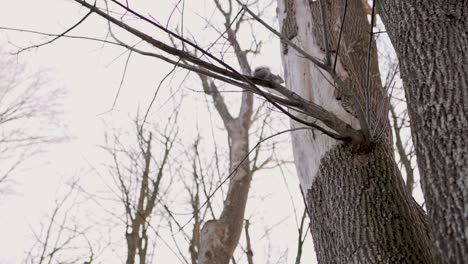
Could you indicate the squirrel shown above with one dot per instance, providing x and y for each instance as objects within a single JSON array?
[{"x": 264, "y": 73}]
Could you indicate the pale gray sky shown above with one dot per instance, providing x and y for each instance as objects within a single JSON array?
[{"x": 90, "y": 74}]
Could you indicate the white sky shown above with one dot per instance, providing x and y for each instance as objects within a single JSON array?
[{"x": 90, "y": 74}]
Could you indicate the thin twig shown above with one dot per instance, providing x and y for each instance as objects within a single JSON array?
[
  {"x": 345, "y": 132},
  {"x": 340, "y": 34},
  {"x": 232, "y": 173},
  {"x": 325, "y": 33},
  {"x": 58, "y": 36}
]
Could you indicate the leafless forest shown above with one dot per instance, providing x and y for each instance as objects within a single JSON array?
[{"x": 233, "y": 131}]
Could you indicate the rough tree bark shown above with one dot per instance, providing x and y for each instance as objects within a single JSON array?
[
  {"x": 360, "y": 211},
  {"x": 430, "y": 39}
]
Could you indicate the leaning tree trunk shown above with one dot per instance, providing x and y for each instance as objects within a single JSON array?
[
  {"x": 359, "y": 209},
  {"x": 431, "y": 45},
  {"x": 219, "y": 237}
]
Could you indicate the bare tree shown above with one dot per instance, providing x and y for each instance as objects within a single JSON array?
[
  {"x": 204, "y": 206},
  {"x": 359, "y": 208},
  {"x": 404, "y": 148},
  {"x": 28, "y": 112},
  {"x": 61, "y": 239},
  {"x": 219, "y": 237},
  {"x": 431, "y": 47},
  {"x": 248, "y": 250},
  {"x": 138, "y": 173},
  {"x": 400, "y": 122}
]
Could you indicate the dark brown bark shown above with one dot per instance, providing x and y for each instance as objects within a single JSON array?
[
  {"x": 359, "y": 208},
  {"x": 430, "y": 39},
  {"x": 405, "y": 158},
  {"x": 361, "y": 212}
]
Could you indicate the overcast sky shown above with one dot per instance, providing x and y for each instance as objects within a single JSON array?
[{"x": 90, "y": 74}]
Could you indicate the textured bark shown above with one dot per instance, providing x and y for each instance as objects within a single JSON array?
[
  {"x": 361, "y": 212},
  {"x": 431, "y": 46},
  {"x": 359, "y": 207}
]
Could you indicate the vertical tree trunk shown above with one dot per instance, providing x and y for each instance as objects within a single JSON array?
[
  {"x": 131, "y": 248},
  {"x": 431, "y": 41},
  {"x": 360, "y": 211}
]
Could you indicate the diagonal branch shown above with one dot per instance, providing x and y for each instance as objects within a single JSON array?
[
  {"x": 210, "y": 88},
  {"x": 58, "y": 36},
  {"x": 343, "y": 131}
]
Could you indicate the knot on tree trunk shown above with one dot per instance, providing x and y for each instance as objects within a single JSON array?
[{"x": 212, "y": 243}]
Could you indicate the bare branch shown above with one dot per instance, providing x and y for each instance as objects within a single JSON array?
[
  {"x": 248, "y": 250},
  {"x": 58, "y": 36},
  {"x": 348, "y": 134}
]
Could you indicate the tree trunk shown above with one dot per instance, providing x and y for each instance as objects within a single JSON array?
[
  {"x": 431, "y": 45},
  {"x": 132, "y": 241},
  {"x": 219, "y": 238},
  {"x": 361, "y": 213},
  {"x": 359, "y": 209}
]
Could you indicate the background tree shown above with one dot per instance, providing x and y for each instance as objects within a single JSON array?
[
  {"x": 27, "y": 102},
  {"x": 400, "y": 122},
  {"x": 138, "y": 172},
  {"x": 220, "y": 236},
  {"x": 341, "y": 169},
  {"x": 403, "y": 144},
  {"x": 61, "y": 238}
]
